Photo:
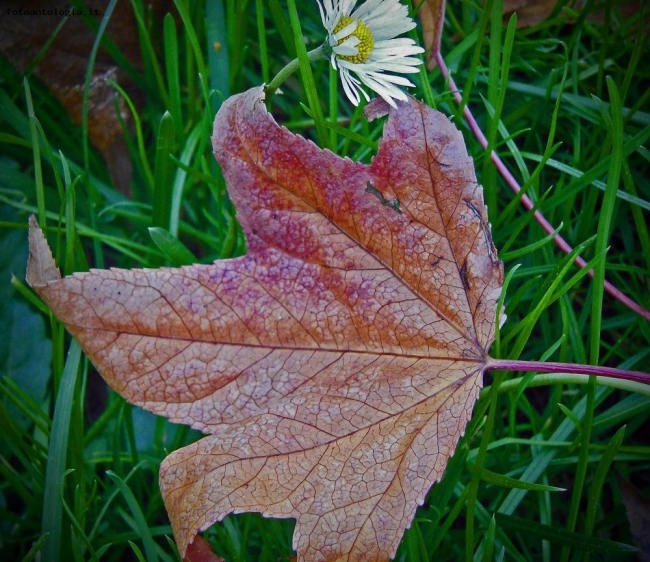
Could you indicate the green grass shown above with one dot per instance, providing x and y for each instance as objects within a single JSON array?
[{"x": 565, "y": 103}]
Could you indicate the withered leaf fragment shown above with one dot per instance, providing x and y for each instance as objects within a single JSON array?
[
  {"x": 335, "y": 366},
  {"x": 432, "y": 16}
]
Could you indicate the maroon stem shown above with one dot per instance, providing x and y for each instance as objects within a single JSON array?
[
  {"x": 552, "y": 367},
  {"x": 512, "y": 182}
]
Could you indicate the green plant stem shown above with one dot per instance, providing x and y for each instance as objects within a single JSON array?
[
  {"x": 555, "y": 367},
  {"x": 317, "y": 54},
  {"x": 550, "y": 379}
]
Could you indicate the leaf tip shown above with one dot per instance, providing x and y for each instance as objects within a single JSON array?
[
  {"x": 375, "y": 109},
  {"x": 41, "y": 267},
  {"x": 200, "y": 551}
]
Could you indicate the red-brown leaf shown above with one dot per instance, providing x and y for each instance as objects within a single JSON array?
[
  {"x": 199, "y": 550},
  {"x": 337, "y": 363}
]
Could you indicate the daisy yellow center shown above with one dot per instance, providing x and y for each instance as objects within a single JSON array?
[{"x": 363, "y": 33}]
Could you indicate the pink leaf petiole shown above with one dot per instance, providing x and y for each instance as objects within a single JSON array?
[{"x": 510, "y": 179}]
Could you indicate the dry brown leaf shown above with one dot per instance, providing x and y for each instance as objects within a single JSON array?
[
  {"x": 637, "y": 509},
  {"x": 532, "y": 12},
  {"x": 337, "y": 363},
  {"x": 432, "y": 17},
  {"x": 529, "y": 12},
  {"x": 62, "y": 65}
]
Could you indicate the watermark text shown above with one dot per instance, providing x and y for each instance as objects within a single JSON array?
[{"x": 53, "y": 12}]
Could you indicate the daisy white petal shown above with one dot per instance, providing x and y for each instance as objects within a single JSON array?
[
  {"x": 352, "y": 41},
  {"x": 373, "y": 8},
  {"x": 323, "y": 11},
  {"x": 364, "y": 41},
  {"x": 391, "y": 22},
  {"x": 389, "y": 31},
  {"x": 351, "y": 87},
  {"x": 399, "y": 45},
  {"x": 391, "y": 67},
  {"x": 390, "y": 59},
  {"x": 367, "y": 9},
  {"x": 346, "y": 31},
  {"x": 380, "y": 77},
  {"x": 385, "y": 89},
  {"x": 346, "y": 51}
]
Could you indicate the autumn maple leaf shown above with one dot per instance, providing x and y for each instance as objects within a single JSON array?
[{"x": 335, "y": 366}]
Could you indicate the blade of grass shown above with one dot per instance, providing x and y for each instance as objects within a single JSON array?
[
  {"x": 498, "y": 68},
  {"x": 108, "y": 500},
  {"x": 640, "y": 223},
  {"x": 472, "y": 500},
  {"x": 527, "y": 250},
  {"x": 163, "y": 173},
  {"x": 218, "y": 51},
  {"x": 137, "y": 552},
  {"x": 119, "y": 243},
  {"x": 549, "y": 292},
  {"x": 508, "y": 482},
  {"x": 631, "y": 198},
  {"x": 56, "y": 457},
  {"x": 150, "y": 59},
  {"x": 29, "y": 295},
  {"x": 307, "y": 75},
  {"x": 70, "y": 224},
  {"x": 78, "y": 527},
  {"x": 172, "y": 70},
  {"x": 602, "y": 240},
  {"x": 542, "y": 460},
  {"x": 598, "y": 481},
  {"x": 558, "y": 535},
  {"x": 38, "y": 170},
  {"x": 187, "y": 153},
  {"x": 334, "y": 106},
  {"x": 139, "y": 135},
  {"x": 142, "y": 526},
  {"x": 605, "y": 219},
  {"x": 577, "y": 102},
  {"x": 85, "y": 110},
  {"x": 261, "y": 35},
  {"x": 282, "y": 26},
  {"x": 190, "y": 32},
  {"x": 488, "y": 544},
  {"x": 174, "y": 249},
  {"x": 481, "y": 28},
  {"x": 35, "y": 549}
]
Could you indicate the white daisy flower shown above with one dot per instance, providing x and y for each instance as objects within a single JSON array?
[{"x": 364, "y": 42}]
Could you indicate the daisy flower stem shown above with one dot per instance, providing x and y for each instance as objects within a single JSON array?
[{"x": 317, "y": 54}]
